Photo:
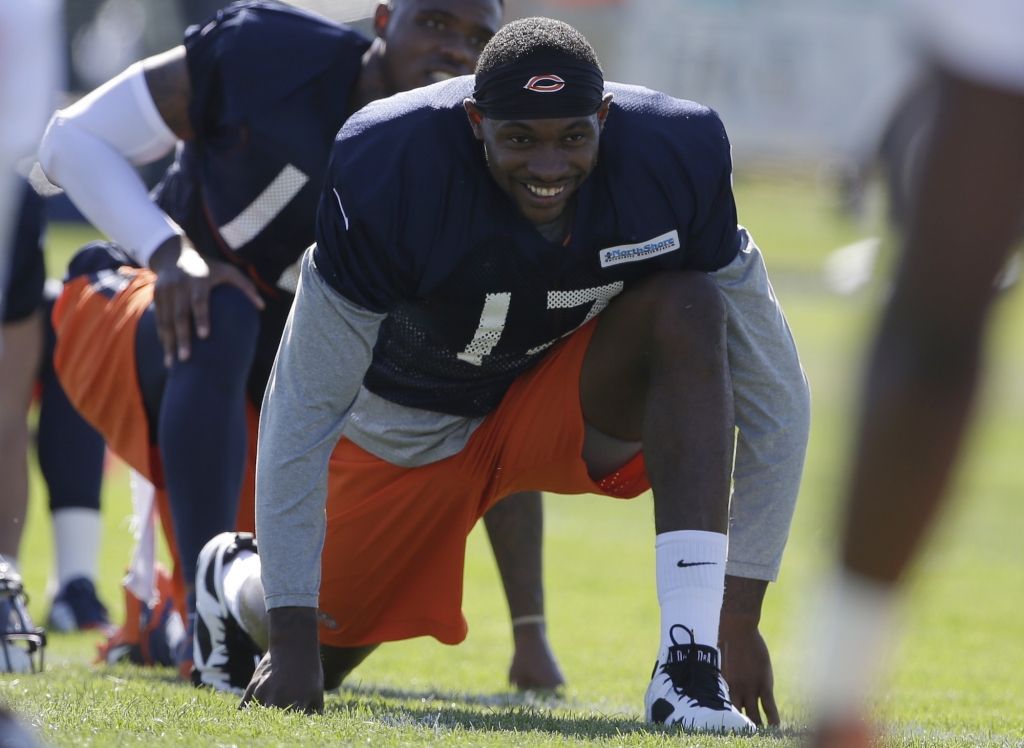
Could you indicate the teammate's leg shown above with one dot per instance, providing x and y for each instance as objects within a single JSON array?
[
  {"x": 515, "y": 527},
  {"x": 23, "y": 346},
  {"x": 921, "y": 383},
  {"x": 71, "y": 454},
  {"x": 21, "y": 291},
  {"x": 201, "y": 423}
]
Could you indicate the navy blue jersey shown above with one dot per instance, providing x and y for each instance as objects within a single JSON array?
[
  {"x": 270, "y": 89},
  {"x": 411, "y": 223},
  {"x": 27, "y": 272}
]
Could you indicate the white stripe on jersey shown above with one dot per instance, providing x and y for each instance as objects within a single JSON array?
[
  {"x": 488, "y": 333},
  {"x": 244, "y": 227}
]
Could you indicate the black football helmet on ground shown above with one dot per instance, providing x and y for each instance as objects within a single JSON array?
[{"x": 21, "y": 641}]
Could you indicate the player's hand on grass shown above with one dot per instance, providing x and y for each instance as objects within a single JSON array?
[
  {"x": 290, "y": 675},
  {"x": 533, "y": 664},
  {"x": 746, "y": 663},
  {"x": 182, "y": 294},
  {"x": 747, "y": 668}
]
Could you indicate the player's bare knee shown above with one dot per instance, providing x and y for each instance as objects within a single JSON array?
[{"x": 688, "y": 315}]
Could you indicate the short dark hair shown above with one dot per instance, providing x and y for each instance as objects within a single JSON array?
[{"x": 528, "y": 38}]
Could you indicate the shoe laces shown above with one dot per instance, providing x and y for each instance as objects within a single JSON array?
[{"x": 693, "y": 670}]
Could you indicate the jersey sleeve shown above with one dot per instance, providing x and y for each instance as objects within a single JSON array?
[
  {"x": 714, "y": 236},
  {"x": 671, "y": 160},
  {"x": 253, "y": 56},
  {"x": 205, "y": 47},
  {"x": 382, "y": 204},
  {"x": 352, "y": 251}
]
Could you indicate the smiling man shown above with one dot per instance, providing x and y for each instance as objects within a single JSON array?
[
  {"x": 253, "y": 100},
  {"x": 529, "y": 279}
]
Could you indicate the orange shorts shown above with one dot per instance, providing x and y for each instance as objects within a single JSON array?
[
  {"x": 96, "y": 319},
  {"x": 392, "y": 565}
]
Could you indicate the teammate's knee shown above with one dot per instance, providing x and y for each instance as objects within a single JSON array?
[
  {"x": 234, "y": 328},
  {"x": 232, "y": 315}
]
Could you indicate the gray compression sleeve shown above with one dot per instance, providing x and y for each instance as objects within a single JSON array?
[
  {"x": 324, "y": 354},
  {"x": 773, "y": 413}
]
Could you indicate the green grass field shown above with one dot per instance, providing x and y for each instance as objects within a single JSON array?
[{"x": 956, "y": 678}]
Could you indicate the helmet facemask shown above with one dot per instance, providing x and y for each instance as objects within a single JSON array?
[{"x": 21, "y": 641}]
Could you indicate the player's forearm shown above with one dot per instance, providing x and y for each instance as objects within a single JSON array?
[
  {"x": 772, "y": 410},
  {"x": 515, "y": 527},
  {"x": 90, "y": 148},
  {"x": 325, "y": 351},
  {"x": 118, "y": 204},
  {"x": 741, "y": 605}
]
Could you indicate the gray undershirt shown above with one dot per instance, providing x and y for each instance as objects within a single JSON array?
[{"x": 315, "y": 395}]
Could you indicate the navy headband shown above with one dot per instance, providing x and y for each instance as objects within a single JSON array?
[{"x": 540, "y": 89}]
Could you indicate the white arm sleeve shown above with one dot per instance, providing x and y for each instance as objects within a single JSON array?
[
  {"x": 89, "y": 149},
  {"x": 980, "y": 39},
  {"x": 325, "y": 351},
  {"x": 773, "y": 415}
]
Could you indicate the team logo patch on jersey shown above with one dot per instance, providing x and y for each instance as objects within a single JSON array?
[
  {"x": 659, "y": 245},
  {"x": 545, "y": 84}
]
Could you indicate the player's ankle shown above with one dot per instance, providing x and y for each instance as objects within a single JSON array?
[
  {"x": 531, "y": 626},
  {"x": 854, "y": 623},
  {"x": 690, "y": 568}
]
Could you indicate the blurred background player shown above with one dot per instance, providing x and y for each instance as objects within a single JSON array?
[
  {"x": 29, "y": 65},
  {"x": 28, "y": 77},
  {"x": 924, "y": 368},
  {"x": 71, "y": 453},
  {"x": 236, "y": 210}
]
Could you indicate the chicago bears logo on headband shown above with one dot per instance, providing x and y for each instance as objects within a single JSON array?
[{"x": 545, "y": 84}]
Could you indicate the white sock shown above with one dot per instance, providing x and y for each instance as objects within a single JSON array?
[
  {"x": 12, "y": 561},
  {"x": 76, "y": 538},
  {"x": 240, "y": 568},
  {"x": 849, "y": 644},
  {"x": 690, "y": 566}
]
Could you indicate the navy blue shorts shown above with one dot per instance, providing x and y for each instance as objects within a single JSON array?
[{"x": 28, "y": 270}]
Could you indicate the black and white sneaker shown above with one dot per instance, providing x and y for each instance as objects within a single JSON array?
[
  {"x": 687, "y": 689},
  {"x": 225, "y": 655}
]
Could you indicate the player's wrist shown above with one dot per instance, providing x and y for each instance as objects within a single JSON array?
[
  {"x": 165, "y": 256},
  {"x": 742, "y": 601},
  {"x": 293, "y": 632},
  {"x": 737, "y": 624}
]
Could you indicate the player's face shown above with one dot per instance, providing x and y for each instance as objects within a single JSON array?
[
  {"x": 540, "y": 163},
  {"x": 427, "y": 41}
]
